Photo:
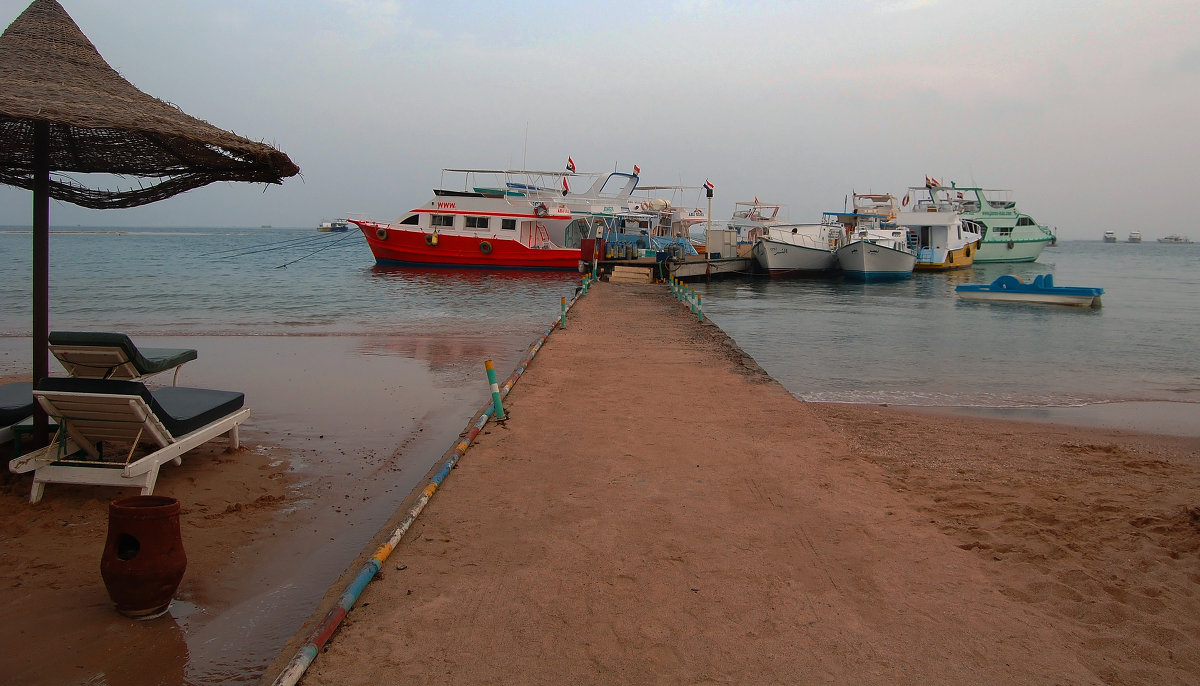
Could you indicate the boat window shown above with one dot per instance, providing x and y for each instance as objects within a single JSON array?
[
  {"x": 411, "y": 219},
  {"x": 508, "y": 224},
  {"x": 441, "y": 220},
  {"x": 477, "y": 222},
  {"x": 1024, "y": 220}
]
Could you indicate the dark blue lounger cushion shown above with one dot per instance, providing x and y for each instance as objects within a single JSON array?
[
  {"x": 146, "y": 360},
  {"x": 16, "y": 402},
  {"x": 181, "y": 410}
]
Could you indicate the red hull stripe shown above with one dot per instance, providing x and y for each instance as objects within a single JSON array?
[{"x": 409, "y": 247}]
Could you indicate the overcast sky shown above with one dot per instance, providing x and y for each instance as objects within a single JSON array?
[{"x": 1088, "y": 111}]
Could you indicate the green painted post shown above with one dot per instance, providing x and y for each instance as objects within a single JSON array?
[
  {"x": 498, "y": 409},
  {"x": 562, "y": 321},
  {"x": 699, "y": 309}
]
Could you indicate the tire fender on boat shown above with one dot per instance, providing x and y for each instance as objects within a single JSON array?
[
  {"x": 381, "y": 233},
  {"x": 485, "y": 247},
  {"x": 1010, "y": 245},
  {"x": 431, "y": 239},
  {"x": 540, "y": 209}
]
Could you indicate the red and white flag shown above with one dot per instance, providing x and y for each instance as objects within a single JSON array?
[
  {"x": 566, "y": 188},
  {"x": 570, "y": 164},
  {"x": 637, "y": 170},
  {"x": 708, "y": 185},
  {"x": 904, "y": 202}
]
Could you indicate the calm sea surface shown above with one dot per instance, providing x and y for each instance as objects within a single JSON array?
[{"x": 908, "y": 343}]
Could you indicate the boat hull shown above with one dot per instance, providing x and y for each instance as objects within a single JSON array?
[
  {"x": 1034, "y": 298},
  {"x": 1014, "y": 249},
  {"x": 780, "y": 258},
  {"x": 391, "y": 245},
  {"x": 954, "y": 259},
  {"x": 866, "y": 261},
  {"x": 700, "y": 268}
]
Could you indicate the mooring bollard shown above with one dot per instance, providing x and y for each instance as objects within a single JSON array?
[
  {"x": 562, "y": 320},
  {"x": 497, "y": 408}
]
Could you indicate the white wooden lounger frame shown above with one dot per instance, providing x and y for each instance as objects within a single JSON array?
[
  {"x": 102, "y": 362},
  {"x": 87, "y": 418}
]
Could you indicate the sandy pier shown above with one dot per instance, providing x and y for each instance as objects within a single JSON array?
[{"x": 658, "y": 510}]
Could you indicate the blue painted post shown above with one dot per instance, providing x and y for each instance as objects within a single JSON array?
[{"x": 498, "y": 409}]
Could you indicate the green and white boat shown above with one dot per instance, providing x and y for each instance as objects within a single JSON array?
[{"x": 1008, "y": 234}]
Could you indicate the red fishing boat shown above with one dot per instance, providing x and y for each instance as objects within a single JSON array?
[{"x": 511, "y": 224}]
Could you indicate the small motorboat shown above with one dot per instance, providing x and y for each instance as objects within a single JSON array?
[{"x": 1009, "y": 288}]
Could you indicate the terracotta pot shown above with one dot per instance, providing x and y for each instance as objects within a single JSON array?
[{"x": 143, "y": 559}]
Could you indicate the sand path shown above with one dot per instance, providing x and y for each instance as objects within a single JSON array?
[{"x": 658, "y": 510}]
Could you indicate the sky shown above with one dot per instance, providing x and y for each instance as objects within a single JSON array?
[{"x": 1086, "y": 111}]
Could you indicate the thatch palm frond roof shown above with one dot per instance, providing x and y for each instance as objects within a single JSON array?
[{"x": 100, "y": 123}]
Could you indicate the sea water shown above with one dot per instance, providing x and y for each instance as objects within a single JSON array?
[
  {"x": 910, "y": 342},
  {"x": 913, "y": 342}
]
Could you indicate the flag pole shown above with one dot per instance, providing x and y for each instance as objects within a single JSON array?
[{"x": 708, "y": 232}]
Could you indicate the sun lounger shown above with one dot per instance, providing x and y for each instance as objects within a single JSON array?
[
  {"x": 169, "y": 421},
  {"x": 16, "y": 405},
  {"x": 101, "y": 355}
]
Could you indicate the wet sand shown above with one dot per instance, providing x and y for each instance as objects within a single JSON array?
[
  {"x": 657, "y": 509},
  {"x": 342, "y": 429}
]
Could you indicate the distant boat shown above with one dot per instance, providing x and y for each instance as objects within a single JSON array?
[
  {"x": 334, "y": 225},
  {"x": 1009, "y": 288},
  {"x": 1174, "y": 238},
  {"x": 1110, "y": 236},
  {"x": 1135, "y": 236}
]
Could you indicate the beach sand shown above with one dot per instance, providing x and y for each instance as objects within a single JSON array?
[
  {"x": 342, "y": 429},
  {"x": 619, "y": 534},
  {"x": 657, "y": 510}
]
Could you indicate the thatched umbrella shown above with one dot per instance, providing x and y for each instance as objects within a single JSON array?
[{"x": 63, "y": 109}]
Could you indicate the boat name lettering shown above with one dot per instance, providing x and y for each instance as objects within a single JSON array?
[{"x": 446, "y": 205}]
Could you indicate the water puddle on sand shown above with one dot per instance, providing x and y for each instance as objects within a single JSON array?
[{"x": 358, "y": 421}]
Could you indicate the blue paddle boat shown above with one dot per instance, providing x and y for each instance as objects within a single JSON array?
[{"x": 1010, "y": 289}]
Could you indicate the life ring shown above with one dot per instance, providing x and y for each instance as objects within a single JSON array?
[
  {"x": 485, "y": 247},
  {"x": 540, "y": 209},
  {"x": 431, "y": 239},
  {"x": 381, "y": 233}
]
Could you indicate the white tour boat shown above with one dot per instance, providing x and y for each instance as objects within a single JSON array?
[
  {"x": 799, "y": 248},
  {"x": 944, "y": 239}
]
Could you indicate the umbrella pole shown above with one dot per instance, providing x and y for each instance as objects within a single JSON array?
[{"x": 41, "y": 271}]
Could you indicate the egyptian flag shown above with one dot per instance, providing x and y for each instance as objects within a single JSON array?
[
  {"x": 570, "y": 165},
  {"x": 708, "y": 187},
  {"x": 936, "y": 182},
  {"x": 904, "y": 202},
  {"x": 566, "y": 189},
  {"x": 928, "y": 182},
  {"x": 637, "y": 171}
]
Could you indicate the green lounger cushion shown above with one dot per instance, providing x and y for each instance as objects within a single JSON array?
[
  {"x": 181, "y": 410},
  {"x": 16, "y": 402},
  {"x": 146, "y": 360}
]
